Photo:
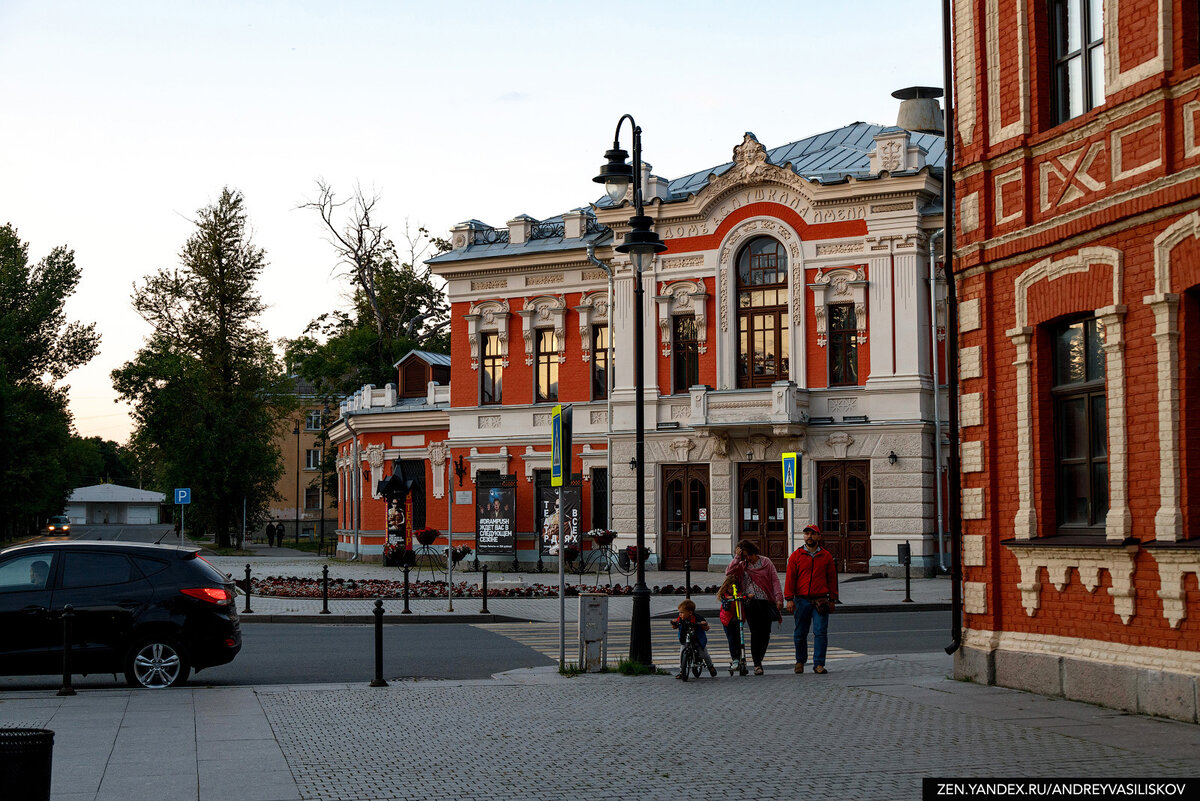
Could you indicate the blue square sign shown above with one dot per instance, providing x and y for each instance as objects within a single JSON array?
[{"x": 183, "y": 495}]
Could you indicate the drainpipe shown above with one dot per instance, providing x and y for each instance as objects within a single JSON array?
[
  {"x": 608, "y": 379},
  {"x": 937, "y": 412},
  {"x": 955, "y": 494},
  {"x": 355, "y": 489}
]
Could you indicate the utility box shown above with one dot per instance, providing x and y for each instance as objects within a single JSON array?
[
  {"x": 904, "y": 554},
  {"x": 593, "y": 632}
]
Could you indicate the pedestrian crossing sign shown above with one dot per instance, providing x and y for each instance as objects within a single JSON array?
[
  {"x": 560, "y": 445},
  {"x": 791, "y": 485}
]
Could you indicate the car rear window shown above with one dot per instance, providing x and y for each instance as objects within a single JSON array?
[
  {"x": 96, "y": 569},
  {"x": 203, "y": 569},
  {"x": 149, "y": 566}
]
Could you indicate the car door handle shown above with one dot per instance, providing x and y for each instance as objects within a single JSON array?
[{"x": 33, "y": 610}]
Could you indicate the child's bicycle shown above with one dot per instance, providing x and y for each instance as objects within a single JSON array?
[{"x": 691, "y": 661}]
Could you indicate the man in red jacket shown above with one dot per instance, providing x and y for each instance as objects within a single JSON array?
[{"x": 811, "y": 590}]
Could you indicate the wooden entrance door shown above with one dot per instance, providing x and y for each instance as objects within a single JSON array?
[
  {"x": 685, "y": 516},
  {"x": 844, "y": 513},
  {"x": 762, "y": 510}
]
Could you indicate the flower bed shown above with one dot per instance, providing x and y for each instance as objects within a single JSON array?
[{"x": 296, "y": 587}]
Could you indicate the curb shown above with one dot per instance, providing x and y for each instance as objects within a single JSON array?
[{"x": 415, "y": 617}]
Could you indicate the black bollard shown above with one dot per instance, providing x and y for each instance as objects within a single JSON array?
[
  {"x": 687, "y": 576},
  {"x": 247, "y": 610},
  {"x": 484, "y": 609},
  {"x": 905, "y": 552},
  {"x": 325, "y": 589},
  {"x": 378, "y": 680},
  {"x": 68, "y": 613},
  {"x": 406, "y": 611}
]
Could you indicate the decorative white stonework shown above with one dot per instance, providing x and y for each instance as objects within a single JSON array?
[
  {"x": 681, "y": 411},
  {"x": 1014, "y": 35},
  {"x": 894, "y": 152},
  {"x": 439, "y": 452},
  {"x": 1072, "y": 171},
  {"x": 374, "y": 457},
  {"x": 839, "y": 442},
  {"x": 681, "y": 447},
  {"x": 1119, "y": 521},
  {"x": 972, "y": 457},
  {"x": 968, "y": 215},
  {"x": 592, "y": 310},
  {"x": 545, "y": 311},
  {"x": 541, "y": 419},
  {"x": 1158, "y": 28},
  {"x": 1191, "y": 142},
  {"x": 535, "y": 460},
  {"x": 741, "y": 234},
  {"x": 1118, "y": 562},
  {"x": 975, "y": 597},
  {"x": 672, "y": 262},
  {"x": 840, "y": 407},
  {"x": 1003, "y": 213},
  {"x": 1173, "y": 567},
  {"x": 598, "y": 417},
  {"x": 968, "y": 316},
  {"x": 1168, "y": 520},
  {"x": 970, "y": 409},
  {"x": 488, "y": 461},
  {"x": 488, "y": 421},
  {"x": 759, "y": 444},
  {"x": 841, "y": 285},
  {"x": 1119, "y": 170},
  {"x": 682, "y": 297},
  {"x": 972, "y": 503},
  {"x": 972, "y": 550},
  {"x": 970, "y": 364},
  {"x": 841, "y": 249},
  {"x": 488, "y": 316},
  {"x": 965, "y": 60}
]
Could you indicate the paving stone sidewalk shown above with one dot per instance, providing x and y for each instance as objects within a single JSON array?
[{"x": 872, "y": 729}]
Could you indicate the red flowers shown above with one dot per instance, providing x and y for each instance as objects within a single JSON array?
[{"x": 297, "y": 587}]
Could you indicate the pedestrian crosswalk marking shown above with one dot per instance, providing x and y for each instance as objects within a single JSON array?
[{"x": 664, "y": 643}]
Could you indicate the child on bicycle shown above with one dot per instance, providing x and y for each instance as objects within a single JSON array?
[
  {"x": 730, "y": 622},
  {"x": 689, "y": 619}
]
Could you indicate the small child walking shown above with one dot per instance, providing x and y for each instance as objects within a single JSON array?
[
  {"x": 729, "y": 620},
  {"x": 688, "y": 617}
]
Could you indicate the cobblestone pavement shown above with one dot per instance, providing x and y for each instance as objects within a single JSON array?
[{"x": 870, "y": 729}]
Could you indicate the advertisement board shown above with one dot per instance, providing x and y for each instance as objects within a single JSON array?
[{"x": 494, "y": 518}]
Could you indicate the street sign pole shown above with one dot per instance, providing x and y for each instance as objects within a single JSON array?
[
  {"x": 560, "y": 474},
  {"x": 791, "y": 483}
]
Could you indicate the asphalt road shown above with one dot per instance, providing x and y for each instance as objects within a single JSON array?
[{"x": 298, "y": 653}]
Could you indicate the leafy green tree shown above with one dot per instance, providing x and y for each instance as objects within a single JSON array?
[
  {"x": 395, "y": 306},
  {"x": 38, "y": 347},
  {"x": 208, "y": 395},
  {"x": 101, "y": 461}
]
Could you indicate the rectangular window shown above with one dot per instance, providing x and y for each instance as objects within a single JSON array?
[
  {"x": 1080, "y": 427},
  {"x": 546, "y": 365},
  {"x": 600, "y": 497},
  {"x": 491, "y": 374},
  {"x": 1077, "y": 37},
  {"x": 843, "y": 345},
  {"x": 312, "y": 459},
  {"x": 313, "y": 421},
  {"x": 685, "y": 354},
  {"x": 599, "y": 362},
  {"x": 312, "y": 498}
]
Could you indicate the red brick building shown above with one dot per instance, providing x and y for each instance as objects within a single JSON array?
[{"x": 1077, "y": 175}]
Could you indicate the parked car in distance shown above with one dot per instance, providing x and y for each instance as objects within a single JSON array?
[
  {"x": 153, "y": 612},
  {"x": 59, "y": 525}
]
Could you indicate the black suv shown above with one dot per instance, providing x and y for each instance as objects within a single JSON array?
[{"x": 153, "y": 611}]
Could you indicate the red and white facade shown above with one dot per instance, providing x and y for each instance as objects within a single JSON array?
[
  {"x": 795, "y": 309},
  {"x": 1077, "y": 173}
]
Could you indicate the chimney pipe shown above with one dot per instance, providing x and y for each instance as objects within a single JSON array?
[{"x": 919, "y": 109}]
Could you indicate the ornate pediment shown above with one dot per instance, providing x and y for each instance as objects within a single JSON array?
[
  {"x": 487, "y": 316},
  {"x": 545, "y": 311},
  {"x": 592, "y": 310}
]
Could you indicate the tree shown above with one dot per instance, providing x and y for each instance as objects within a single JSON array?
[
  {"x": 94, "y": 460},
  {"x": 38, "y": 347},
  {"x": 208, "y": 395},
  {"x": 394, "y": 305}
]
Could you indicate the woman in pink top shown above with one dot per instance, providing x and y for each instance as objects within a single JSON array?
[{"x": 758, "y": 581}]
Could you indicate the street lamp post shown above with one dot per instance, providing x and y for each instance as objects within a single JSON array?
[
  {"x": 642, "y": 244},
  {"x": 296, "y": 431}
]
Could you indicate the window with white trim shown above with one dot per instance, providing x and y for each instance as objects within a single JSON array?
[
  {"x": 1077, "y": 42},
  {"x": 1080, "y": 426},
  {"x": 312, "y": 459}
]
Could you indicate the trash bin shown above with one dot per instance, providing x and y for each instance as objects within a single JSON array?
[{"x": 25, "y": 759}]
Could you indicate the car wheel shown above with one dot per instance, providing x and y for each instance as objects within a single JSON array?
[{"x": 156, "y": 663}]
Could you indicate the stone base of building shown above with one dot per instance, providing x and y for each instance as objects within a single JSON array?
[
  {"x": 922, "y": 567},
  {"x": 1146, "y": 691}
]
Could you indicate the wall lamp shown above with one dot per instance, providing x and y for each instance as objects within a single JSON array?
[{"x": 891, "y": 457}]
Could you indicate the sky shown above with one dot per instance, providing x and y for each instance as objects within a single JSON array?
[{"x": 124, "y": 118}]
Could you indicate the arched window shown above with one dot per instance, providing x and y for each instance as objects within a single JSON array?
[{"x": 762, "y": 301}]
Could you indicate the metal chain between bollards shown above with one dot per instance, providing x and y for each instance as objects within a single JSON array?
[
  {"x": 68, "y": 614},
  {"x": 247, "y": 610},
  {"x": 378, "y": 680},
  {"x": 324, "y": 589},
  {"x": 484, "y": 609},
  {"x": 406, "y": 610}
]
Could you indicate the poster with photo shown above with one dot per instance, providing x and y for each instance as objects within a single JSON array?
[
  {"x": 572, "y": 516},
  {"x": 494, "y": 516}
]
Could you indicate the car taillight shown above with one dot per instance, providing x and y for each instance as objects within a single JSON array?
[{"x": 211, "y": 594}]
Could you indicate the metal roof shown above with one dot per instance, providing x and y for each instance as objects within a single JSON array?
[
  {"x": 439, "y": 359},
  {"x": 114, "y": 493}
]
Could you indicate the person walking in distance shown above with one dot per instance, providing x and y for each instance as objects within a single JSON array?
[
  {"x": 270, "y": 534},
  {"x": 758, "y": 582},
  {"x": 810, "y": 586}
]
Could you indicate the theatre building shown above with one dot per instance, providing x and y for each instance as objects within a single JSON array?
[
  {"x": 1077, "y": 172},
  {"x": 796, "y": 309}
]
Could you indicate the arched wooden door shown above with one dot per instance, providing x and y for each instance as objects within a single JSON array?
[
  {"x": 762, "y": 510},
  {"x": 685, "y": 516},
  {"x": 844, "y": 513}
]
